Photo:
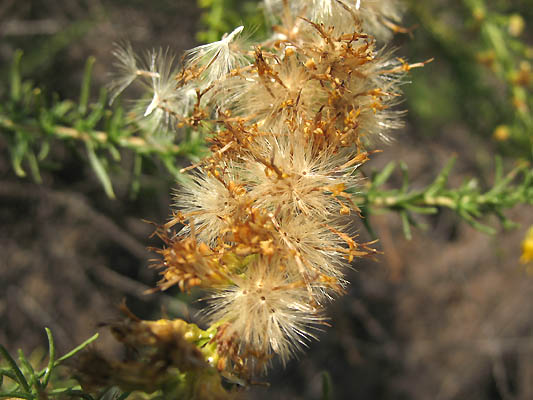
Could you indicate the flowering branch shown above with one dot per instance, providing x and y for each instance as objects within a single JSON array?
[
  {"x": 31, "y": 126},
  {"x": 468, "y": 201}
]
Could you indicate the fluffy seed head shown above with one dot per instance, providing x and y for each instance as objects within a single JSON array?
[
  {"x": 208, "y": 201},
  {"x": 291, "y": 178},
  {"x": 217, "y": 58},
  {"x": 288, "y": 125},
  {"x": 266, "y": 311},
  {"x": 126, "y": 70}
]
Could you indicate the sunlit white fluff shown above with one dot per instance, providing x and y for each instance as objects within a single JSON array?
[
  {"x": 306, "y": 180},
  {"x": 378, "y": 115},
  {"x": 317, "y": 246},
  {"x": 377, "y": 15},
  {"x": 163, "y": 81},
  {"x": 168, "y": 103},
  {"x": 266, "y": 310},
  {"x": 126, "y": 70},
  {"x": 270, "y": 101},
  {"x": 205, "y": 201},
  {"x": 218, "y": 58},
  {"x": 374, "y": 15},
  {"x": 283, "y": 183}
]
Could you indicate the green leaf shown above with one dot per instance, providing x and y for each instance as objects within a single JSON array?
[
  {"x": 16, "y": 370},
  {"x": 86, "y": 86},
  {"x": 76, "y": 349},
  {"x": 115, "y": 124},
  {"x": 405, "y": 177},
  {"x": 442, "y": 178},
  {"x": 366, "y": 222},
  {"x": 326, "y": 386},
  {"x": 406, "y": 225},
  {"x": 45, "y": 149},
  {"x": 98, "y": 112},
  {"x": 99, "y": 170},
  {"x": 60, "y": 109},
  {"x": 17, "y": 395},
  {"x": 70, "y": 392},
  {"x": 34, "y": 166},
  {"x": 51, "y": 357},
  {"x": 18, "y": 151},
  {"x": 475, "y": 224},
  {"x": 15, "y": 79},
  {"x": 421, "y": 210},
  {"x": 29, "y": 369},
  {"x": 113, "y": 151},
  {"x": 168, "y": 161},
  {"x": 9, "y": 374},
  {"x": 384, "y": 175}
]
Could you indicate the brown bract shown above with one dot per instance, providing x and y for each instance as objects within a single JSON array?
[{"x": 187, "y": 263}]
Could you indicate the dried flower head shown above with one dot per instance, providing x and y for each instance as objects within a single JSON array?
[
  {"x": 167, "y": 356},
  {"x": 262, "y": 221},
  {"x": 279, "y": 318},
  {"x": 209, "y": 200}
]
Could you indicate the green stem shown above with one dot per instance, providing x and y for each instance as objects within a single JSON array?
[{"x": 66, "y": 132}]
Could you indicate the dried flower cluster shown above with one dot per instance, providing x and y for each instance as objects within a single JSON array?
[
  {"x": 165, "y": 356},
  {"x": 263, "y": 220}
]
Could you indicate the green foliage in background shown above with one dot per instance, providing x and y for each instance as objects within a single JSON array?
[
  {"x": 469, "y": 201},
  {"x": 222, "y": 16},
  {"x": 23, "y": 380},
  {"x": 482, "y": 75},
  {"x": 32, "y": 124}
]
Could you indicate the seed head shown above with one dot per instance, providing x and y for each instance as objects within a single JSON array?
[
  {"x": 267, "y": 310},
  {"x": 217, "y": 58}
]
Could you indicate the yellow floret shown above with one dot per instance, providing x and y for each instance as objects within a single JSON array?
[{"x": 527, "y": 247}]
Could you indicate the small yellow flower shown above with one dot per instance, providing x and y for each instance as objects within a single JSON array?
[
  {"x": 527, "y": 247},
  {"x": 501, "y": 133},
  {"x": 516, "y": 25}
]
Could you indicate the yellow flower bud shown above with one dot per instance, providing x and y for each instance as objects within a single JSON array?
[
  {"x": 516, "y": 25},
  {"x": 527, "y": 247},
  {"x": 501, "y": 133}
]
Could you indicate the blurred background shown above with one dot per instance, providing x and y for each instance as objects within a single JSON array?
[{"x": 445, "y": 315}]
